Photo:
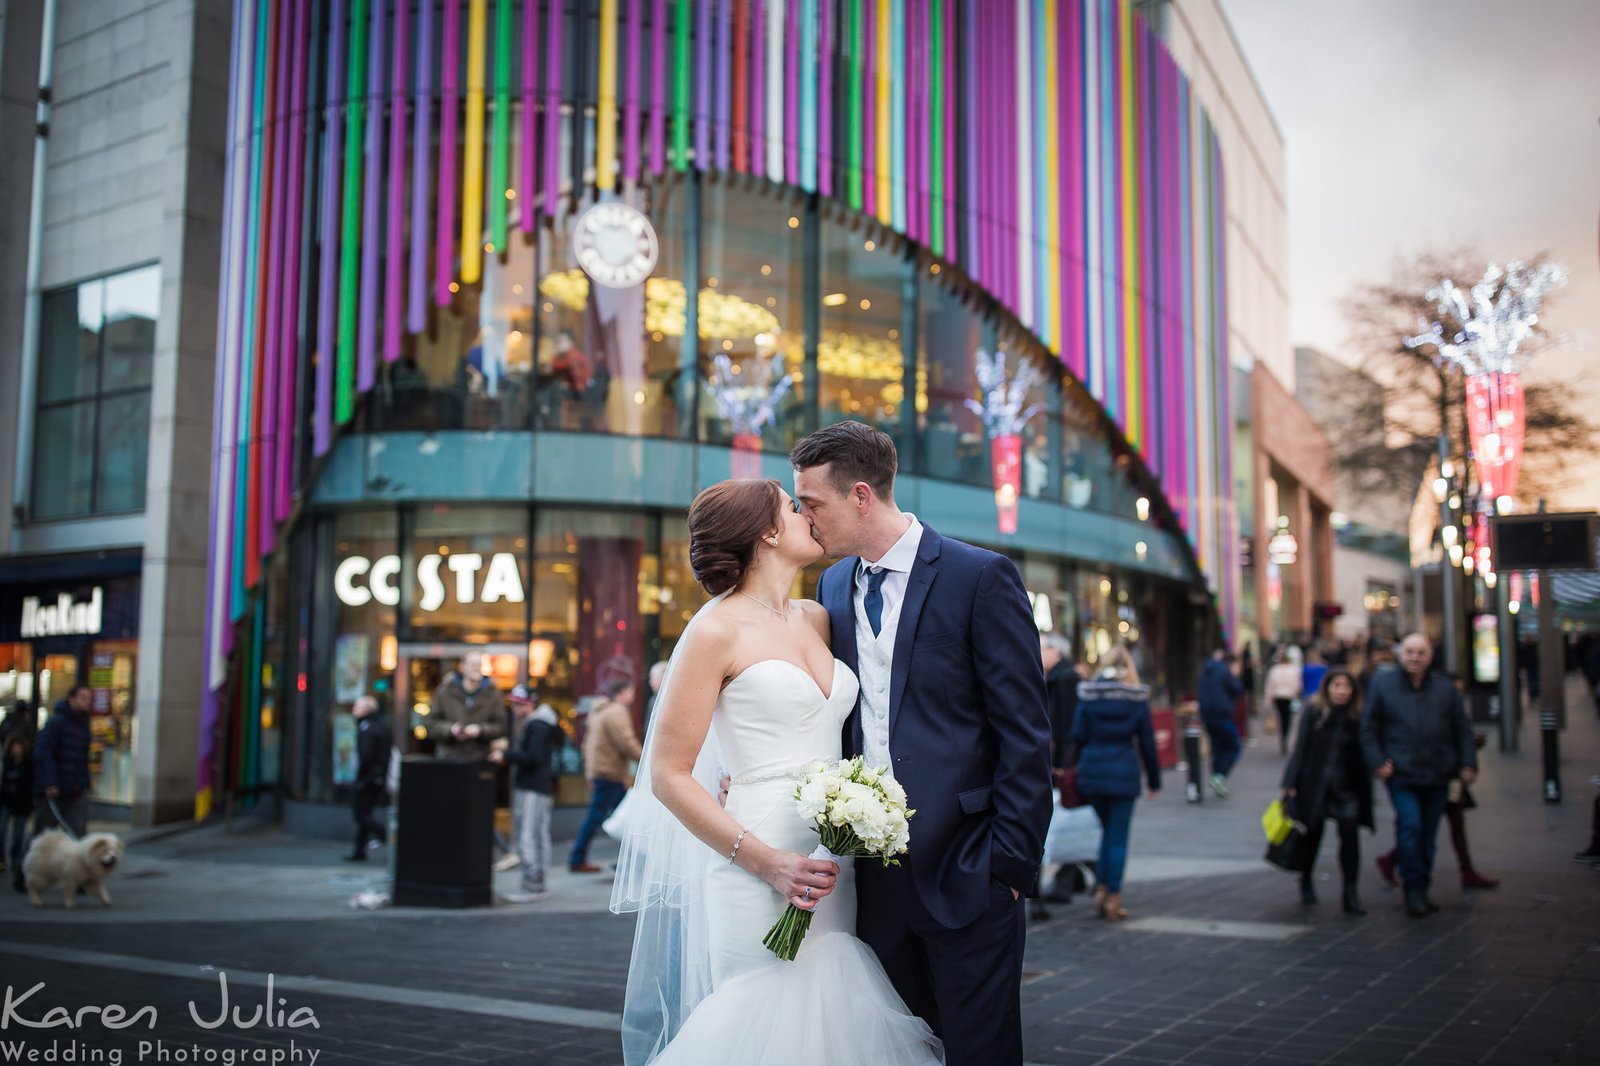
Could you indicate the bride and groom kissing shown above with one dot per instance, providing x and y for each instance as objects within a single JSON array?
[{"x": 919, "y": 653}]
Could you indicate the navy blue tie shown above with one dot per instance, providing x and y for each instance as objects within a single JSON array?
[{"x": 873, "y": 601}]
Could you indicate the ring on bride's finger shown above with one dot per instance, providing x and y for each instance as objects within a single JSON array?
[{"x": 808, "y": 892}]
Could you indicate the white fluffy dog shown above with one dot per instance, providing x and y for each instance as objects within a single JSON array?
[{"x": 56, "y": 858}]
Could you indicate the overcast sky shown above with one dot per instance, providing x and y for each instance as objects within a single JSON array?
[{"x": 1416, "y": 125}]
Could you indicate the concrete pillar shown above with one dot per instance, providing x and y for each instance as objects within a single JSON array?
[{"x": 177, "y": 487}]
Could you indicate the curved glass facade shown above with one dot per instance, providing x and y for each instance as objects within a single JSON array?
[{"x": 440, "y": 433}]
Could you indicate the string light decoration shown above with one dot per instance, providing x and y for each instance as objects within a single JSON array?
[
  {"x": 1490, "y": 325},
  {"x": 1005, "y": 411}
]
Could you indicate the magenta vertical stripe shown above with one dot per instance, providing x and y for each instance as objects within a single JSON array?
[
  {"x": 913, "y": 96},
  {"x": 984, "y": 159},
  {"x": 952, "y": 82},
  {"x": 421, "y": 141},
  {"x": 966, "y": 204},
  {"x": 758, "y": 88},
  {"x": 1005, "y": 86},
  {"x": 394, "y": 245},
  {"x": 630, "y": 96},
  {"x": 267, "y": 428},
  {"x": 791, "y": 94},
  {"x": 1074, "y": 252},
  {"x": 290, "y": 346},
  {"x": 825, "y": 57},
  {"x": 449, "y": 85},
  {"x": 869, "y": 108},
  {"x": 552, "y": 112},
  {"x": 723, "y": 49},
  {"x": 658, "y": 86},
  {"x": 528, "y": 190},
  {"x": 371, "y": 199},
  {"x": 328, "y": 269},
  {"x": 702, "y": 87}
]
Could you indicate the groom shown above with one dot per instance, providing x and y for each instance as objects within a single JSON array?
[{"x": 952, "y": 699}]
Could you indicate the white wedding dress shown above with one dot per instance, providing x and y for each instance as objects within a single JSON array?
[{"x": 833, "y": 1004}]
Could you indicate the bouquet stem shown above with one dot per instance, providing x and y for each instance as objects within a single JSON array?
[{"x": 783, "y": 939}]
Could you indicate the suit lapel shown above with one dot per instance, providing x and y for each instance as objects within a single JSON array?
[
  {"x": 923, "y": 572},
  {"x": 842, "y": 618}
]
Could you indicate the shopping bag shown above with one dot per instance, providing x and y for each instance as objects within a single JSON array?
[
  {"x": 1066, "y": 782},
  {"x": 617, "y": 824},
  {"x": 1276, "y": 822},
  {"x": 1291, "y": 853},
  {"x": 1074, "y": 835}
]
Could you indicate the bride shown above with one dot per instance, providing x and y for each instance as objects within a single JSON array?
[{"x": 752, "y": 692}]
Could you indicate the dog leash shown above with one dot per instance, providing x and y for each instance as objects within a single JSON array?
[{"x": 61, "y": 821}]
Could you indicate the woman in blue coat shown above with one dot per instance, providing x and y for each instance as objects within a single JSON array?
[{"x": 1113, "y": 714}]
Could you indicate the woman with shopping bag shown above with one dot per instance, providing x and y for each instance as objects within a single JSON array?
[
  {"x": 1113, "y": 716},
  {"x": 1326, "y": 778}
]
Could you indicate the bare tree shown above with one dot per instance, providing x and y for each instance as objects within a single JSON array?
[{"x": 1388, "y": 448}]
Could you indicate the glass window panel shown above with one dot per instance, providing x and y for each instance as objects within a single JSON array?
[
  {"x": 1040, "y": 465},
  {"x": 948, "y": 336},
  {"x": 63, "y": 461},
  {"x": 132, "y": 304},
  {"x": 858, "y": 355},
  {"x": 752, "y": 312},
  {"x": 124, "y": 449},
  {"x": 69, "y": 342}
]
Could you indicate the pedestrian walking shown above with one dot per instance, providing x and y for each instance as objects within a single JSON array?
[
  {"x": 1219, "y": 691},
  {"x": 608, "y": 747},
  {"x": 1591, "y": 854},
  {"x": 1416, "y": 738},
  {"x": 1455, "y": 815},
  {"x": 373, "y": 744},
  {"x": 1283, "y": 687},
  {"x": 1113, "y": 716},
  {"x": 1057, "y": 881},
  {"x": 61, "y": 765},
  {"x": 16, "y": 804},
  {"x": 532, "y": 754},
  {"x": 1327, "y": 777}
]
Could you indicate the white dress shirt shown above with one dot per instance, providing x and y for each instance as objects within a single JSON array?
[{"x": 875, "y": 654}]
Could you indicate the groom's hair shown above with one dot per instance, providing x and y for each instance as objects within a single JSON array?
[{"x": 856, "y": 452}]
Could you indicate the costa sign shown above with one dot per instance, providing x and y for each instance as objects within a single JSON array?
[{"x": 358, "y": 581}]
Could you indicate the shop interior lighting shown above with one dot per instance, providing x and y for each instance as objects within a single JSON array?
[
  {"x": 1514, "y": 606},
  {"x": 1456, "y": 555},
  {"x": 1441, "y": 488},
  {"x": 834, "y": 299},
  {"x": 1449, "y": 536},
  {"x": 1455, "y": 501},
  {"x": 1141, "y": 506},
  {"x": 1504, "y": 504},
  {"x": 1490, "y": 578}
]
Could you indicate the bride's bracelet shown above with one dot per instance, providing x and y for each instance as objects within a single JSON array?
[{"x": 734, "y": 854}]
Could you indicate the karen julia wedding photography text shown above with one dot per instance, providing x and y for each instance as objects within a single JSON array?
[{"x": 24, "y": 1026}]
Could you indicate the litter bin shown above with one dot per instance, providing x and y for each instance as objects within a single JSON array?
[
  {"x": 1164, "y": 722},
  {"x": 444, "y": 846}
]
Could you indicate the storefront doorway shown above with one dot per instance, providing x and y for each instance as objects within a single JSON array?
[{"x": 420, "y": 668}]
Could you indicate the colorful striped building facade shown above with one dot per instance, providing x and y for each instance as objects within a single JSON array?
[{"x": 1048, "y": 155}]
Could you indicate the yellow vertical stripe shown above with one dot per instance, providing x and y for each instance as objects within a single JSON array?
[
  {"x": 606, "y": 120},
  {"x": 472, "y": 156},
  {"x": 885, "y": 164},
  {"x": 1130, "y": 236},
  {"x": 1052, "y": 220}
]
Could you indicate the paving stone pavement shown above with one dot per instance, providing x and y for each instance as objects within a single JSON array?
[{"x": 1220, "y": 963}]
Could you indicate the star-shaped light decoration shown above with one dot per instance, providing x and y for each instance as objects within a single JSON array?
[
  {"x": 1004, "y": 411},
  {"x": 747, "y": 397}
]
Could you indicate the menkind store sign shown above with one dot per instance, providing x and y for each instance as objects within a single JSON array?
[{"x": 62, "y": 617}]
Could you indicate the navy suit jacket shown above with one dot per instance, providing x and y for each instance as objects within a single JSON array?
[{"x": 968, "y": 731}]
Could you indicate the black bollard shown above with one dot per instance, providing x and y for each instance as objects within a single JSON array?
[
  {"x": 1191, "y": 755},
  {"x": 1550, "y": 732}
]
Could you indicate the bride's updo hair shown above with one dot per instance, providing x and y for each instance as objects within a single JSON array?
[{"x": 725, "y": 523}]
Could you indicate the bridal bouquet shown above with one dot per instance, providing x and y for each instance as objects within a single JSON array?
[{"x": 858, "y": 811}]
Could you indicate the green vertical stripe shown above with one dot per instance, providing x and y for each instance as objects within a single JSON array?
[
  {"x": 857, "y": 71},
  {"x": 500, "y": 146},
  {"x": 936, "y": 106},
  {"x": 350, "y": 247},
  {"x": 680, "y": 96}
]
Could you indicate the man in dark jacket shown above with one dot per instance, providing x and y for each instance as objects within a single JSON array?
[
  {"x": 468, "y": 714},
  {"x": 373, "y": 743},
  {"x": 532, "y": 755},
  {"x": 1060, "y": 693},
  {"x": 1416, "y": 737},
  {"x": 16, "y": 803},
  {"x": 61, "y": 765},
  {"x": 1220, "y": 690}
]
